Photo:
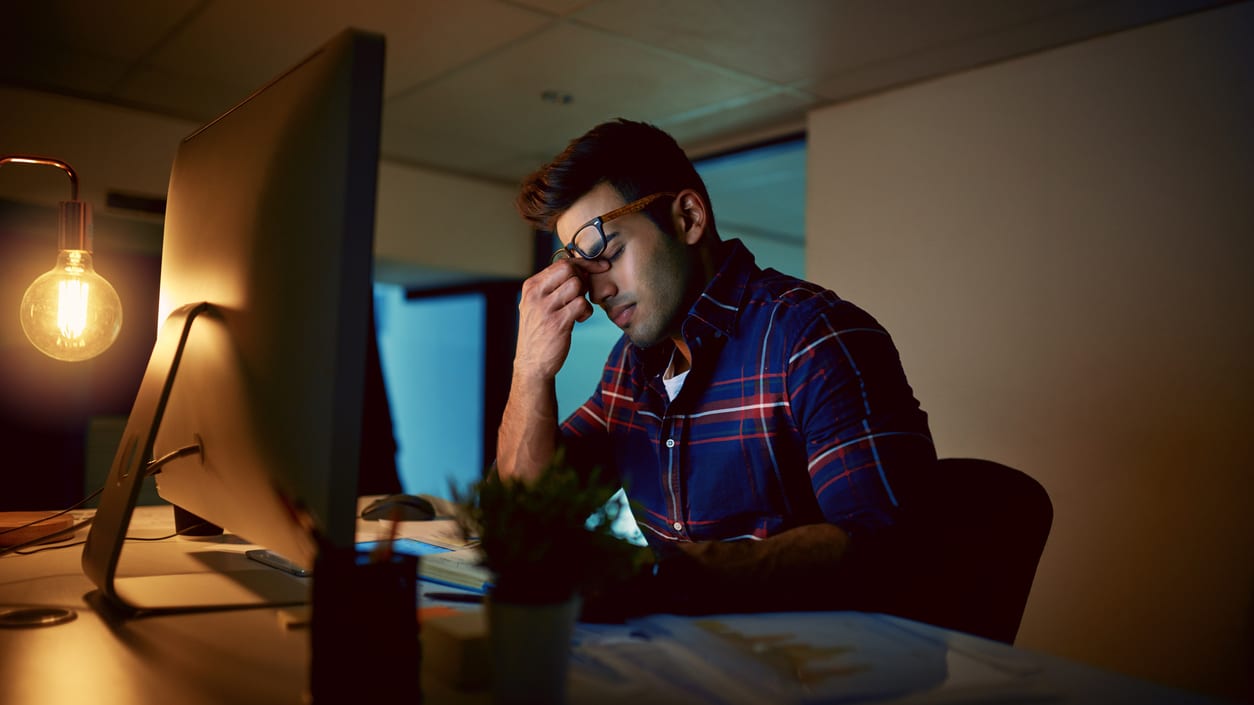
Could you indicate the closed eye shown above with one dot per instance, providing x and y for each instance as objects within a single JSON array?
[{"x": 611, "y": 252}]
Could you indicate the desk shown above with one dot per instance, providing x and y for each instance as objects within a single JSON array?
[{"x": 255, "y": 656}]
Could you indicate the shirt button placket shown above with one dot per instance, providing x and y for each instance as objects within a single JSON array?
[{"x": 672, "y": 461}]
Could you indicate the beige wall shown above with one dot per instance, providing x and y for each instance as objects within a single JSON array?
[
  {"x": 432, "y": 226},
  {"x": 1063, "y": 248},
  {"x": 429, "y": 225}
]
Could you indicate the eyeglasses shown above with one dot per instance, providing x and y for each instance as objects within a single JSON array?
[{"x": 589, "y": 240}]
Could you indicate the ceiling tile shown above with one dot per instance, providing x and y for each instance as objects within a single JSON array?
[
  {"x": 58, "y": 69},
  {"x": 246, "y": 43},
  {"x": 460, "y": 32},
  {"x": 498, "y": 101},
  {"x": 59, "y": 45},
  {"x": 174, "y": 95},
  {"x": 756, "y": 38},
  {"x": 555, "y": 7},
  {"x": 803, "y": 40},
  {"x": 100, "y": 29}
]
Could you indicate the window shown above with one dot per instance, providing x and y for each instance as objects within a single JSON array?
[{"x": 432, "y": 352}]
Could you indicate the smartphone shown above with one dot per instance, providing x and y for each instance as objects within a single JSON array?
[{"x": 274, "y": 560}]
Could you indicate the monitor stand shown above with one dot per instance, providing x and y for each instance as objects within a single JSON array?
[{"x": 224, "y": 586}]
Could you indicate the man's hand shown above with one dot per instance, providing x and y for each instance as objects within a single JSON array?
[{"x": 552, "y": 301}]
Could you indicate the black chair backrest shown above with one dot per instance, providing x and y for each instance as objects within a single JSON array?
[{"x": 988, "y": 524}]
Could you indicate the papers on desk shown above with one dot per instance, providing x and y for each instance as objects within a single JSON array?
[
  {"x": 437, "y": 532},
  {"x": 444, "y": 556},
  {"x": 460, "y": 568},
  {"x": 805, "y": 658}
]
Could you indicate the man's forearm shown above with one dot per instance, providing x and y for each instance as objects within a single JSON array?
[
  {"x": 799, "y": 568},
  {"x": 551, "y": 302},
  {"x": 527, "y": 437}
]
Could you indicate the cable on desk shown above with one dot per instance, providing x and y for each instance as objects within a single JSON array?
[
  {"x": 167, "y": 537},
  {"x": 54, "y": 515},
  {"x": 152, "y": 468},
  {"x": 17, "y": 550}
]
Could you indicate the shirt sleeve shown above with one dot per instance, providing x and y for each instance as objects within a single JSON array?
[
  {"x": 866, "y": 436},
  {"x": 585, "y": 433}
]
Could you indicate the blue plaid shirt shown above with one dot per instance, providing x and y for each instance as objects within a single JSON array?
[{"x": 795, "y": 411}]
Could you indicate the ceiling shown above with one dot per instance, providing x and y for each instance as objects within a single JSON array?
[{"x": 493, "y": 88}]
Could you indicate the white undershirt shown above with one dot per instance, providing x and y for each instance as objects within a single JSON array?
[{"x": 673, "y": 382}]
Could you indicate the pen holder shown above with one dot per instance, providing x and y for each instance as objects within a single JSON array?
[{"x": 364, "y": 629}]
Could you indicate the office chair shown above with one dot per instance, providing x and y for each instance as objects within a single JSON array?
[{"x": 965, "y": 553}]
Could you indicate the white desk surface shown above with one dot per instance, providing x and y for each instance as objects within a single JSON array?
[{"x": 254, "y": 655}]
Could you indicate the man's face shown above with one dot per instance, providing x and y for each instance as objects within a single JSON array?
[{"x": 643, "y": 290}]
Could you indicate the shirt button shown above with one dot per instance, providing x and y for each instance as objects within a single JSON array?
[
  {"x": 670, "y": 442},
  {"x": 679, "y": 526}
]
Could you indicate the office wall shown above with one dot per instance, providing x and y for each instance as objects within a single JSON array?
[
  {"x": 437, "y": 228},
  {"x": 1063, "y": 248}
]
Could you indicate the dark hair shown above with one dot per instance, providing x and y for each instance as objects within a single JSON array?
[{"x": 636, "y": 158}]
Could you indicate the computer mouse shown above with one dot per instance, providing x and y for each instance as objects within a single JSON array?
[{"x": 402, "y": 507}]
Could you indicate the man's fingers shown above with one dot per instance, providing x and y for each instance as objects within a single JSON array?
[
  {"x": 588, "y": 266},
  {"x": 551, "y": 280},
  {"x": 583, "y": 309},
  {"x": 563, "y": 291}
]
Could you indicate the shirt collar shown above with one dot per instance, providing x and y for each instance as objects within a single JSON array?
[{"x": 719, "y": 305}]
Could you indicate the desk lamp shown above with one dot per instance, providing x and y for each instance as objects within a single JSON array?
[{"x": 70, "y": 313}]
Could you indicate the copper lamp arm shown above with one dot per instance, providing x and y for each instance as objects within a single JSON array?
[{"x": 46, "y": 161}]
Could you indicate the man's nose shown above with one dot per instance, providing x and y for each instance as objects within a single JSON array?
[{"x": 601, "y": 286}]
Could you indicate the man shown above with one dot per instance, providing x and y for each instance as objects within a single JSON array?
[{"x": 761, "y": 426}]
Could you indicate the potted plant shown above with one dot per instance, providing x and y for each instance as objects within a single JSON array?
[{"x": 546, "y": 541}]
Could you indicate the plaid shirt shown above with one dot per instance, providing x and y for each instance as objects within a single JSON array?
[{"x": 796, "y": 411}]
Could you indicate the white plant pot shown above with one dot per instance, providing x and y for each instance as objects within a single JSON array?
[{"x": 530, "y": 650}]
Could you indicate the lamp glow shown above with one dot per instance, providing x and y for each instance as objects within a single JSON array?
[{"x": 70, "y": 313}]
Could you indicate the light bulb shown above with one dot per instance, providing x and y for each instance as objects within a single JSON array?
[{"x": 71, "y": 313}]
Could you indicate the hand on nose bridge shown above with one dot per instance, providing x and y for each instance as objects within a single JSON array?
[
  {"x": 590, "y": 274},
  {"x": 599, "y": 286}
]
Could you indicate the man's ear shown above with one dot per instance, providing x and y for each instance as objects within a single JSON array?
[{"x": 691, "y": 215}]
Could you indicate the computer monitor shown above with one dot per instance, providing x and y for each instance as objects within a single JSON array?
[{"x": 265, "y": 296}]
